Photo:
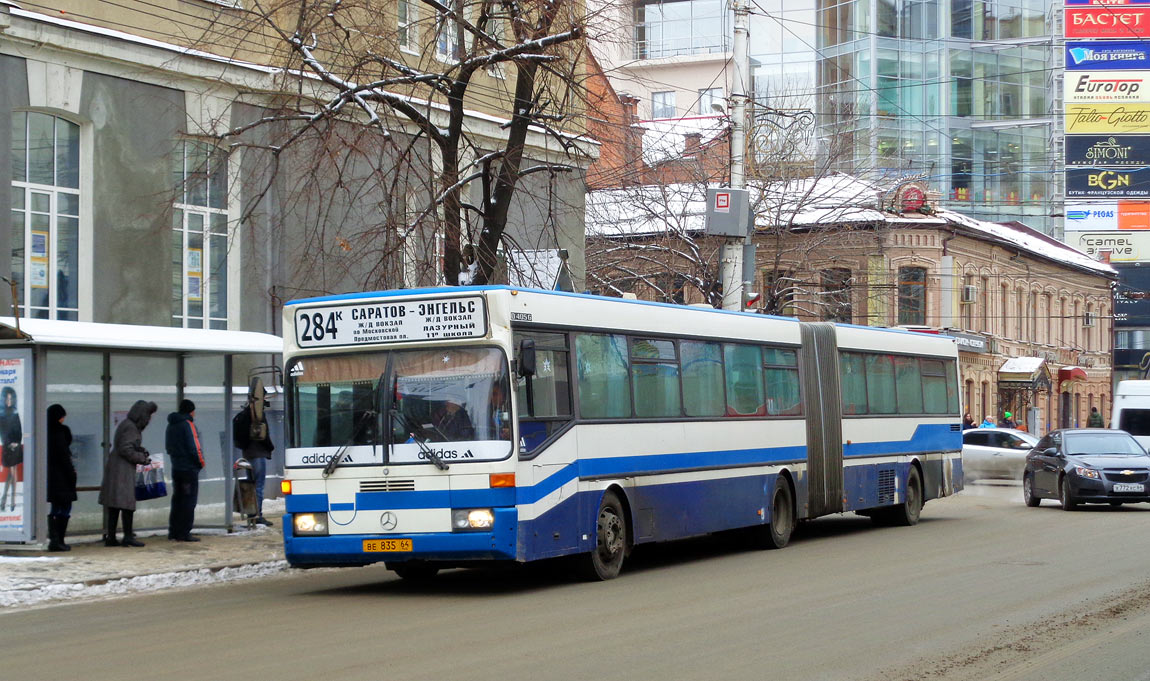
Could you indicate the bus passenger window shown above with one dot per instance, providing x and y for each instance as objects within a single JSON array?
[
  {"x": 744, "y": 370},
  {"x": 702, "y": 379},
  {"x": 604, "y": 390},
  {"x": 908, "y": 383},
  {"x": 880, "y": 384},
  {"x": 853, "y": 377},
  {"x": 933, "y": 386},
  {"x": 782, "y": 371},
  {"x": 655, "y": 374}
]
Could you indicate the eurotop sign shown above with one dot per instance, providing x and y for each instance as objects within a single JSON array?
[{"x": 1106, "y": 86}]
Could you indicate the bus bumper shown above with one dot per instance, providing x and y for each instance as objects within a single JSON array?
[{"x": 447, "y": 547}]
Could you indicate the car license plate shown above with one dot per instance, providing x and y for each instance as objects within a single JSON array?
[
  {"x": 386, "y": 545},
  {"x": 1129, "y": 487}
]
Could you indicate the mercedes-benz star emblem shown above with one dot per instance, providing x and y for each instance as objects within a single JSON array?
[{"x": 388, "y": 520}]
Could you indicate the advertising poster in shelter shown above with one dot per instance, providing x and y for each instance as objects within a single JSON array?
[{"x": 17, "y": 457}]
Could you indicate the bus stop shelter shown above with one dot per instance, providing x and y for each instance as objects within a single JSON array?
[{"x": 97, "y": 371}]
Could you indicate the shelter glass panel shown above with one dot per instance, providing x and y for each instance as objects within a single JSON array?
[{"x": 73, "y": 381}]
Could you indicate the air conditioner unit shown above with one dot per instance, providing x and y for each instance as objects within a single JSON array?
[
  {"x": 969, "y": 293},
  {"x": 1087, "y": 319}
]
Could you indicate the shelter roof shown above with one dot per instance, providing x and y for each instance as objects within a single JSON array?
[{"x": 136, "y": 337}]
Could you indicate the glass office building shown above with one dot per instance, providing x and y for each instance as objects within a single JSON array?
[{"x": 960, "y": 92}]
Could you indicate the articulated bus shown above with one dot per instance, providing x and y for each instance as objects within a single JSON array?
[{"x": 449, "y": 427}]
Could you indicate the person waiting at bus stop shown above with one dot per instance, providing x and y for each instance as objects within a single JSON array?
[
  {"x": 118, "y": 490},
  {"x": 183, "y": 443},
  {"x": 250, "y": 435}
]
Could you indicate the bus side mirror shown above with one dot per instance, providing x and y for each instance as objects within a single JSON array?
[{"x": 525, "y": 366}]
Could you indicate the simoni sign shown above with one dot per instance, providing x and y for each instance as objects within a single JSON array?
[
  {"x": 1108, "y": 22},
  {"x": 1106, "y": 86}
]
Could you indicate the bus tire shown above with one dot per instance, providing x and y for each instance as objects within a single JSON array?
[
  {"x": 606, "y": 559},
  {"x": 907, "y": 513},
  {"x": 776, "y": 534},
  {"x": 416, "y": 571}
]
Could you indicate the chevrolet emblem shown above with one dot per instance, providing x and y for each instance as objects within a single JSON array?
[{"x": 1127, "y": 472}]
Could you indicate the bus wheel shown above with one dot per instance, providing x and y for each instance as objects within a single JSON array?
[
  {"x": 906, "y": 513},
  {"x": 606, "y": 559},
  {"x": 416, "y": 571},
  {"x": 777, "y": 533}
]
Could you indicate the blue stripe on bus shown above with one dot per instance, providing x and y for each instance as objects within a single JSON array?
[{"x": 343, "y": 507}]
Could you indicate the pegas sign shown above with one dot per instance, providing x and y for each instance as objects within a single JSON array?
[
  {"x": 1104, "y": 86},
  {"x": 1107, "y": 216},
  {"x": 1108, "y": 56},
  {"x": 1101, "y": 183},
  {"x": 1108, "y": 22}
]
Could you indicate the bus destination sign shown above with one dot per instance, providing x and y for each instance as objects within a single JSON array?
[{"x": 391, "y": 322}]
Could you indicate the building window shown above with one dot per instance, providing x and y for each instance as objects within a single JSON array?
[
  {"x": 407, "y": 33},
  {"x": 668, "y": 29},
  {"x": 200, "y": 237},
  {"x": 711, "y": 101},
  {"x": 967, "y": 308},
  {"x": 912, "y": 295},
  {"x": 779, "y": 292},
  {"x": 446, "y": 39},
  {"x": 46, "y": 214},
  {"x": 663, "y": 104},
  {"x": 984, "y": 306},
  {"x": 836, "y": 294}
]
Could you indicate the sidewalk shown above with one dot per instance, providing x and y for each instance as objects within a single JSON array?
[{"x": 92, "y": 570}]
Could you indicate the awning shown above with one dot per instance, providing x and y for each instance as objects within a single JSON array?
[
  {"x": 136, "y": 337},
  {"x": 1029, "y": 373},
  {"x": 1068, "y": 374}
]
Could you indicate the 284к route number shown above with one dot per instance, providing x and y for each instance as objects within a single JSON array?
[{"x": 391, "y": 322}]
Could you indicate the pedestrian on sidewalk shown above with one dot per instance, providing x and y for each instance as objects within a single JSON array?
[
  {"x": 250, "y": 435},
  {"x": 182, "y": 441},
  {"x": 1095, "y": 420},
  {"x": 61, "y": 478},
  {"x": 118, "y": 490}
]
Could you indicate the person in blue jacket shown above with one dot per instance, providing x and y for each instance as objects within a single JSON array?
[
  {"x": 987, "y": 422},
  {"x": 187, "y": 454}
]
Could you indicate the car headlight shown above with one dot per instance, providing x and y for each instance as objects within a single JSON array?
[
  {"x": 472, "y": 519},
  {"x": 310, "y": 524},
  {"x": 1086, "y": 472}
]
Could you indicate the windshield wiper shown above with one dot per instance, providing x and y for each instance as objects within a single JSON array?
[
  {"x": 333, "y": 463},
  {"x": 416, "y": 432}
]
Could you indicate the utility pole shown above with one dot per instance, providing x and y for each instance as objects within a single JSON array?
[{"x": 731, "y": 262}]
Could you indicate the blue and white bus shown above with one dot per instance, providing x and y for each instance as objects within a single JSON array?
[{"x": 447, "y": 427}]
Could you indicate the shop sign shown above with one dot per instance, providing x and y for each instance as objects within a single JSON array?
[
  {"x": 1107, "y": 216},
  {"x": 1107, "y": 22},
  {"x": 1071, "y": 3},
  {"x": 1107, "y": 86},
  {"x": 1108, "y": 56},
  {"x": 1112, "y": 246},
  {"x": 1099, "y": 182},
  {"x": 970, "y": 342},
  {"x": 1107, "y": 118},
  {"x": 1108, "y": 151},
  {"x": 1132, "y": 297},
  {"x": 1131, "y": 358}
]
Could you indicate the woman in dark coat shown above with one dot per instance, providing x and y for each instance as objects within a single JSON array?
[
  {"x": 61, "y": 478},
  {"x": 12, "y": 436},
  {"x": 118, "y": 491}
]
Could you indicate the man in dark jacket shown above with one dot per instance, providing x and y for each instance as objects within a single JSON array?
[
  {"x": 183, "y": 443},
  {"x": 250, "y": 436}
]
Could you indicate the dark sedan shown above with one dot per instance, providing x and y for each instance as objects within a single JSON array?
[{"x": 1086, "y": 466}]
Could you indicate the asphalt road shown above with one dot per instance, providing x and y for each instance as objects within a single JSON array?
[{"x": 982, "y": 588}]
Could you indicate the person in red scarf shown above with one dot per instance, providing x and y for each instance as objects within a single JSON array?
[{"x": 182, "y": 440}]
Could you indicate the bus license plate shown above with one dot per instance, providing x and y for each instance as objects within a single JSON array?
[
  {"x": 1128, "y": 487},
  {"x": 385, "y": 545}
]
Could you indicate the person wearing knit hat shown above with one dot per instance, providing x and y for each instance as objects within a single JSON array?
[{"x": 182, "y": 440}]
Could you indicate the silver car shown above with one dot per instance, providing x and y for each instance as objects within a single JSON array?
[{"x": 995, "y": 453}]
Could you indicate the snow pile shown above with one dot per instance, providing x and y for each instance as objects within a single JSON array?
[{"x": 130, "y": 585}]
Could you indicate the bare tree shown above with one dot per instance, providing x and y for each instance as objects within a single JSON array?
[{"x": 376, "y": 106}]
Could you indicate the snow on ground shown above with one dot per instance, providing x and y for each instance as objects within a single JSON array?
[{"x": 133, "y": 585}]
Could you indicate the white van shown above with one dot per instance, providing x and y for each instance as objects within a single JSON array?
[{"x": 1132, "y": 410}]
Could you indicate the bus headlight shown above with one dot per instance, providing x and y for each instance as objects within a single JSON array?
[
  {"x": 310, "y": 524},
  {"x": 472, "y": 519}
]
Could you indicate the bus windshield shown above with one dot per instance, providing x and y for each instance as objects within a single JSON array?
[{"x": 440, "y": 395}]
